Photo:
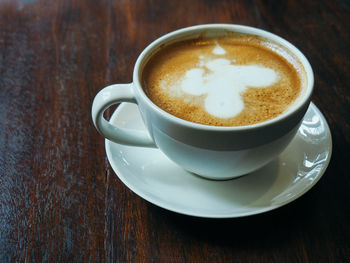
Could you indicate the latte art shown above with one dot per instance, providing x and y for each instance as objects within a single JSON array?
[
  {"x": 229, "y": 81},
  {"x": 223, "y": 83},
  {"x": 219, "y": 50}
]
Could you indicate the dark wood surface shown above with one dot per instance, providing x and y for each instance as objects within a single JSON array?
[{"x": 60, "y": 201}]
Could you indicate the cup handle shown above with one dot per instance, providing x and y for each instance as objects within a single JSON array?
[{"x": 108, "y": 96}]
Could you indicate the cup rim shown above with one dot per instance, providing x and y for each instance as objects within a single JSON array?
[{"x": 305, "y": 99}]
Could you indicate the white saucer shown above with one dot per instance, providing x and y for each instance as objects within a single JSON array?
[{"x": 151, "y": 175}]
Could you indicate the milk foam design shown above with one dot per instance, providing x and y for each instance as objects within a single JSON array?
[
  {"x": 224, "y": 82},
  {"x": 218, "y": 50}
]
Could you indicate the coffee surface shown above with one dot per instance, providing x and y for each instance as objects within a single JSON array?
[{"x": 228, "y": 81}]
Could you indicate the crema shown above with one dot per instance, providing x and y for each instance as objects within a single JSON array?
[{"x": 233, "y": 80}]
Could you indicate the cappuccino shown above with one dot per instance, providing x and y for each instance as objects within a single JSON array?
[{"x": 233, "y": 80}]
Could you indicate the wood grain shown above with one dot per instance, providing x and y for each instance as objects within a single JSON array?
[{"x": 60, "y": 201}]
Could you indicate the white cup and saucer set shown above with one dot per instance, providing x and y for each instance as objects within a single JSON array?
[{"x": 211, "y": 171}]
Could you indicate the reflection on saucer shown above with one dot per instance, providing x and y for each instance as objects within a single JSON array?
[{"x": 151, "y": 175}]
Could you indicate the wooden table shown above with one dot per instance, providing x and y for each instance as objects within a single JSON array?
[{"x": 60, "y": 201}]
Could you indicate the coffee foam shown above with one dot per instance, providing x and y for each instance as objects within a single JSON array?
[
  {"x": 225, "y": 81},
  {"x": 218, "y": 50}
]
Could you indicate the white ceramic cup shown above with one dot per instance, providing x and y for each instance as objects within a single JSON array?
[{"x": 209, "y": 151}]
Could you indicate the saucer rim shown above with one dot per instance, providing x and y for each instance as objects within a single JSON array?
[{"x": 232, "y": 214}]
